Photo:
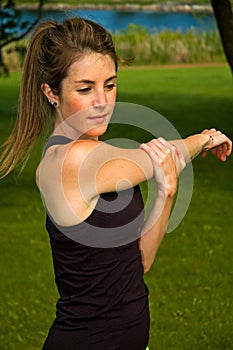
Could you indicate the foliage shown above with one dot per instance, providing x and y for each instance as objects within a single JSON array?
[
  {"x": 191, "y": 281},
  {"x": 116, "y": 2},
  {"x": 13, "y": 28},
  {"x": 95, "y": 2},
  {"x": 133, "y": 43},
  {"x": 145, "y": 48},
  {"x": 169, "y": 47}
]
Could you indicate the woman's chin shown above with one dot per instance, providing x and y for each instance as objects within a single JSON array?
[{"x": 97, "y": 131}]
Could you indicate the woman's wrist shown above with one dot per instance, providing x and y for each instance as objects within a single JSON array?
[
  {"x": 166, "y": 192},
  {"x": 209, "y": 142},
  {"x": 199, "y": 143}
]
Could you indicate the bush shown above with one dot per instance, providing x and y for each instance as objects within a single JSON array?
[
  {"x": 168, "y": 47},
  {"x": 137, "y": 44}
]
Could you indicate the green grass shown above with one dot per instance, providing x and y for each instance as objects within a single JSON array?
[{"x": 192, "y": 279}]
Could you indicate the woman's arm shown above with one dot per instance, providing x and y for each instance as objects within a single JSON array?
[
  {"x": 163, "y": 156},
  {"x": 156, "y": 224},
  {"x": 101, "y": 167}
]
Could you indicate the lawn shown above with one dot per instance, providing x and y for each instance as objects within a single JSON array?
[{"x": 192, "y": 279}]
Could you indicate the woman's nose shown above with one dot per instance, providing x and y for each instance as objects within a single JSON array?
[{"x": 100, "y": 98}]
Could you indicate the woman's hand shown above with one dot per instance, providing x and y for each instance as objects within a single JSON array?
[
  {"x": 163, "y": 155},
  {"x": 219, "y": 144}
]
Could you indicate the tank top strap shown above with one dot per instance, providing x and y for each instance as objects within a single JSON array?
[{"x": 56, "y": 140}]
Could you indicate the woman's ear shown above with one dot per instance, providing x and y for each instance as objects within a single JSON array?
[{"x": 49, "y": 93}]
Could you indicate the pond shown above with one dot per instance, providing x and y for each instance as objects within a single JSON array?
[{"x": 115, "y": 20}]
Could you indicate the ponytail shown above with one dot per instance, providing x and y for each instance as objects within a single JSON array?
[
  {"x": 31, "y": 112},
  {"x": 51, "y": 51}
]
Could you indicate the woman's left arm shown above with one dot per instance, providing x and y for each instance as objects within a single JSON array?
[{"x": 186, "y": 149}]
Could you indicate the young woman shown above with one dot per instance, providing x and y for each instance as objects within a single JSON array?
[{"x": 101, "y": 246}]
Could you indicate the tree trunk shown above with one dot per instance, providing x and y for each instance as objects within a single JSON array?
[
  {"x": 3, "y": 67},
  {"x": 224, "y": 18}
]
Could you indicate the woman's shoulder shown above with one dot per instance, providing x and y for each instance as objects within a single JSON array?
[
  {"x": 66, "y": 189},
  {"x": 78, "y": 153}
]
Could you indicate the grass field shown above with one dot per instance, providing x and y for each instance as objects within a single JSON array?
[{"x": 191, "y": 281}]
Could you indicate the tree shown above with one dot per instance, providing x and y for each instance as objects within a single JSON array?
[
  {"x": 12, "y": 29},
  {"x": 224, "y": 18}
]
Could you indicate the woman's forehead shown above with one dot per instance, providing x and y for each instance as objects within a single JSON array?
[{"x": 91, "y": 64}]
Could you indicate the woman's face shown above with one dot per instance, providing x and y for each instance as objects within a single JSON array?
[{"x": 88, "y": 94}]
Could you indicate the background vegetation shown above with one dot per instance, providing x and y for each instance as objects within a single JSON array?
[
  {"x": 169, "y": 47},
  {"x": 192, "y": 279},
  {"x": 142, "y": 2},
  {"x": 139, "y": 44},
  {"x": 145, "y": 48}
]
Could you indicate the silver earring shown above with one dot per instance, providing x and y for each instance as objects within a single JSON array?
[{"x": 54, "y": 104}]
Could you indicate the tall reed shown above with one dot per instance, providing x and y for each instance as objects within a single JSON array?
[
  {"x": 138, "y": 44},
  {"x": 168, "y": 47}
]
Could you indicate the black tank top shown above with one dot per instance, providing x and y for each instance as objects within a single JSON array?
[{"x": 97, "y": 284}]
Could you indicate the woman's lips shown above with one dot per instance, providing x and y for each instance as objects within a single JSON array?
[{"x": 99, "y": 118}]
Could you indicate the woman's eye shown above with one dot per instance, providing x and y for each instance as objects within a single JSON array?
[
  {"x": 84, "y": 90},
  {"x": 110, "y": 86}
]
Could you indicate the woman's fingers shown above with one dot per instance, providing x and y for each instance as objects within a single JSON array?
[
  {"x": 160, "y": 151},
  {"x": 165, "y": 173},
  {"x": 177, "y": 155},
  {"x": 221, "y": 152}
]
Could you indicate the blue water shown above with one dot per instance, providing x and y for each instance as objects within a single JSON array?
[{"x": 116, "y": 21}]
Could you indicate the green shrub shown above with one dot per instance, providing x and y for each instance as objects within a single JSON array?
[
  {"x": 168, "y": 47},
  {"x": 138, "y": 44}
]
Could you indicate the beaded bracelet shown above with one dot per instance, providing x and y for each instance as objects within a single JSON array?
[{"x": 211, "y": 141}]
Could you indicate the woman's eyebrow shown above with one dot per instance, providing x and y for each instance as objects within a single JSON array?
[
  {"x": 87, "y": 81},
  {"x": 111, "y": 78},
  {"x": 84, "y": 81}
]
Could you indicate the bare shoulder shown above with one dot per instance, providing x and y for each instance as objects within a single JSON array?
[
  {"x": 79, "y": 149},
  {"x": 66, "y": 190}
]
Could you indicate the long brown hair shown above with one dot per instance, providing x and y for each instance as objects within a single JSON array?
[{"x": 52, "y": 49}]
